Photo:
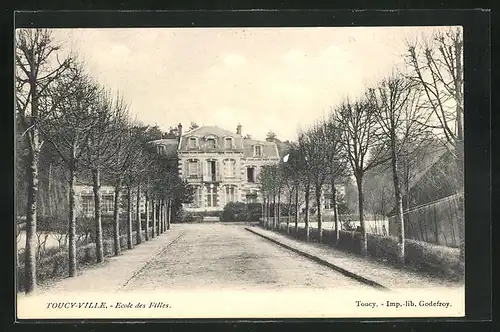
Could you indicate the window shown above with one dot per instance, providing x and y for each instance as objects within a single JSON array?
[
  {"x": 192, "y": 143},
  {"x": 228, "y": 143},
  {"x": 230, "y": 194},
  {"x": 230, "y": 166},
  {"x": 251, "y": 198},
  {"x": 211, "y": 196},
  {"x": 258, "y": 150},
  {"x": 197, "y": 197},
  {"x": 107, "y": 203},
  {"x": 87, "y": 204},
  {"x": 212, "y": 170},
  {"x": 193, "y": 169},
  {"x": 328, "y": 201},
  {"x": 211, "y": 143},
  {"x": 251, "y": 174},
  {"x": 161, "y": 149}
]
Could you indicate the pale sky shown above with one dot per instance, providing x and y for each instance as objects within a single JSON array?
[{"x": 279, "y": 79}]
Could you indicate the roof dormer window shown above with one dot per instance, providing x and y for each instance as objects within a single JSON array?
[
  {"x": 257, "y": 150},
  {"x": 211, "y": 143},
  {"x": 192, "y": 142},
  {"x": 228, "y": 143}
]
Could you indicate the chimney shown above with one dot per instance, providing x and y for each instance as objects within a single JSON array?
[
  {"x": 238, "y": 129},
  {"x": 179, "y": 129}
]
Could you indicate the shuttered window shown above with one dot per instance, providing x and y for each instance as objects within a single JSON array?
[{"x": 193, "y": 168}]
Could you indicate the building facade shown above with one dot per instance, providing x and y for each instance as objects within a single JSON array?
[
  {"x": 223, "y": 166},
  {"x": 84, "y": 203}
]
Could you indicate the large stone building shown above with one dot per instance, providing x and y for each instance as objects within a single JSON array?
[{"x": 223, "y": 166}]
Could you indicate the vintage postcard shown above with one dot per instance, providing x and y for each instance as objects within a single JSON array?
[{"x": 269, "y": 173}]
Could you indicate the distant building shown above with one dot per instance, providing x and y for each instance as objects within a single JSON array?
[
  {"x": 84, "y": 204},
  {"x": 223, "y": 166}
]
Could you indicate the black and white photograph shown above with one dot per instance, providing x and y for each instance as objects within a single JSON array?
[{"x": 239, "y": 172}]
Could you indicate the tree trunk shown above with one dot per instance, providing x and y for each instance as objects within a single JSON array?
[
  {"x": 49, "y": 192},
  {"x": 399, "y": 202},
  {"x": 296, "y": 210},
  {"x": 96, "y": 181},
  {"x": 160, "y": 217},
  {"x": 290, "y": 195},
  {"x": 146, "y": 212},
  {"x": 263, "y": 210},
  {"x": 129, "y": 217},
  {"x": 169, "y": 215},
  {"x": 164, "y": 211},
  {"x": 335, "y": 212},
  {"x": 274, "y": 211},
  {"x": 72, "y": 221},
  {"x": 278, "y": 208},
  {"x": 268, "y": 213},
  {"x": 306, "y": 216},
  {"x": 31, "y": 216},
  {"x": 320, "y": 220},
  {"x": 153, "y": 228},
  {"x": 138, "y": 215},
  {"x": 364, "y": 243},
  {"x": 116, "y": 219}
]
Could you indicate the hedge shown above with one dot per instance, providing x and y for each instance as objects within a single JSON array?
[
  {"x": 54, "y": 265},
  {"x": 238, "y": 211},
  {"x": 423, "y": 257}
]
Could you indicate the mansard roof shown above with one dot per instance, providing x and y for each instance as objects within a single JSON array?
[
  {"x": 240, "y": 144},
  {"x": 269, "y": 149},
  {"x": 219, "y": 134}
]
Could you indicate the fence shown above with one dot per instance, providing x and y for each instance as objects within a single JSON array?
[
  {"x": 436, "y": 222},
  {"x": 374, "y": 224}
]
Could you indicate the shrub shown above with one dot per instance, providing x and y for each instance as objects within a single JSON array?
[
  {"x": 190, "y": 217},
  {"x": 424, "y": 257},
  {"x": 238, "y": 211},
  {"x": 187, "y": 217},
  {"x": 437, "y": 260},
  {"x": 350, "y": 241},
  {"x": 53, "y": 264},
  {"x": 384, "y": 248},
  {"x": 234, "y": 211},
  {"x": 254, "y": 211}
]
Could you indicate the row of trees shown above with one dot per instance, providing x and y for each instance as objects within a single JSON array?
[
  {"x": 87, "y": 130},
  {"x": 387, "y": 127}
]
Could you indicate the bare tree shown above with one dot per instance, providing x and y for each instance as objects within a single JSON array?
[
  {"x": 315, "y": 147},
  {"x": 400, "y": 119},
  {"x": 119, "y": 164},
  {"x": 437, "y": 65},
  {"x": 336, "y": 165},
  {"x": 305, "y": 176},
  {"x": 266, "y": 181},
  {"x": 361, "y": 146},
  {"x": 35, "y": 73},
  {"x": 68, "y": 129},
  {"x": 293, "y": 170},
  {"x": 98, "y": 152}
]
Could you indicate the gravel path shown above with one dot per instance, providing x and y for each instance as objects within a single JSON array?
[{"x": 218, "y": 256}]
